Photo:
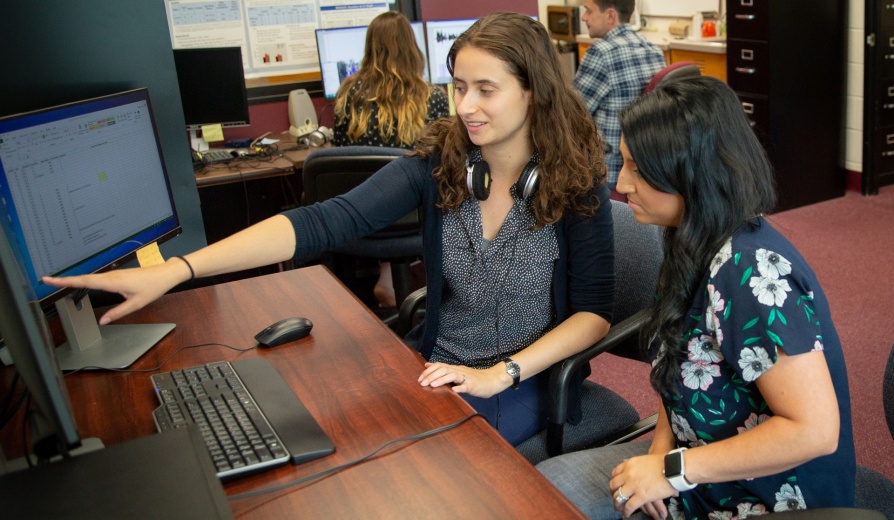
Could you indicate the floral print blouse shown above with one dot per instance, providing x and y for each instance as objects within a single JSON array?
[{"x": 760, "y": 294}]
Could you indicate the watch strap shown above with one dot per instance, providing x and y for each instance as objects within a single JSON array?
[
  {"x": 677, "y": 477},
  {"x": 514, "y": 371}
]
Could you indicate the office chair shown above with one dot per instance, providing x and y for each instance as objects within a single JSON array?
[
  {"x": 607, "y": 417},
  {"x": 328, "y": 172},
  {"x": 872, "y": 489},
  {"x": 680, "y": 69}
]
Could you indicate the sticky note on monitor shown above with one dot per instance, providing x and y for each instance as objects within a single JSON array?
[
  {"x": 149, "y": 255},
  {"x": 212, "y": 133}
]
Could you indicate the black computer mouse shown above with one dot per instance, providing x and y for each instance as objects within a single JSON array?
[{"x": 284, "y": 331}]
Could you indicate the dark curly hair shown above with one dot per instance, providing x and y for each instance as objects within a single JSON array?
[{"x": 571, "y": 151}]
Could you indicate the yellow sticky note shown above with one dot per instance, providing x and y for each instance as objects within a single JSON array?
[
  {"x": 212, "y": 133},
  {"x": 149, "y": 255}
]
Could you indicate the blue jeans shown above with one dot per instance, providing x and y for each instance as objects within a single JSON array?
[
  {"x": 583, "y": 477},
  {"x": 516, "y": 414}
]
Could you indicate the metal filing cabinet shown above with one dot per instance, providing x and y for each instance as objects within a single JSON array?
[
  {"x": 878, "y": 97},
  {"x": 786, "y": 62}
]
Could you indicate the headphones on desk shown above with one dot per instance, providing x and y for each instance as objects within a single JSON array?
[
  {"x": 478, "y": 176},
  {"x": 317, "y": 138}
]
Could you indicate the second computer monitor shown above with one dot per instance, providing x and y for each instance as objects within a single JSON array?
[
  {"x": 439, "y": 36},
  {"x": 341, "y": 52}
]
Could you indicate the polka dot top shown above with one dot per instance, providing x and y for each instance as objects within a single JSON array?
[
  {"x": 497, "y": 296},
  {"x": 437, "y": 108}
]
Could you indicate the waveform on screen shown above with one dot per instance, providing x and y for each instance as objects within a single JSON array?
[{"x": 441, "y": 37}]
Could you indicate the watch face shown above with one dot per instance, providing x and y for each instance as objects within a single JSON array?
[
  {"x": 513, "y": 369},
  {"x": 673, "y": 464}
]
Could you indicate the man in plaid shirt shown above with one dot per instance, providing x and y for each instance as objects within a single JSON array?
[{"x": 614, "y": 71}]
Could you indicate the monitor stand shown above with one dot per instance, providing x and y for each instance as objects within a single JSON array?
[{"x": 91, "y": 347}]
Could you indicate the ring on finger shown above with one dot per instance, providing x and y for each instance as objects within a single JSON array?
[{"x": 620, "y": 499}]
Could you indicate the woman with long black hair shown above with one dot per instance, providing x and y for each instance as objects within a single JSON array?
[{"x": 755, "y": 410}]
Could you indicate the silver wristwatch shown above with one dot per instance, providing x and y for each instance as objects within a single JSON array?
[
  {"x": 514, "y": 371},
  {"x": 675, "y": 470}
]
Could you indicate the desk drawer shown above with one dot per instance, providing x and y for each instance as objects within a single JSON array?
[
  {"x": 885, "y": 102},
  {"x": 884, "y": 52},
  {"x": 885, "y": 13},
  {"x": 757, "y": 110},
  {"x": 748, "y": 19},
  {"x": 884, "y": 144},
  {"x": 748, "y": 66}
]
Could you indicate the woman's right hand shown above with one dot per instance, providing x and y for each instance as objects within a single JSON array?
[{"x": 139, "y": 287}]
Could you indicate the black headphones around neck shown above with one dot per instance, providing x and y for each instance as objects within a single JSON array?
[{"x": 478, "y": 176}]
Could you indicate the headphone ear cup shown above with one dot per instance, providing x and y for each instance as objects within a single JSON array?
[
  {"x": 527, "y": 181},
  {"x": 478, "y": 180}
]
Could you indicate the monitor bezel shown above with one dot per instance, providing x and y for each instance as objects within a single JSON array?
[
  {"x": 115, "y": 255},
  {"x": 329, "y": 96},
  {"x": 192, "y": 124}
]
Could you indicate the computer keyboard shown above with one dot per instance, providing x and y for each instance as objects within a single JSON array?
[
  {"x": 248, "y": 415},
  {"x": 217, "y": 156}
]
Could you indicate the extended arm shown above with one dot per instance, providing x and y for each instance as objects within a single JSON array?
[
  {"x": 382, "y": 199},
  {"x": 268, "y": 242}
]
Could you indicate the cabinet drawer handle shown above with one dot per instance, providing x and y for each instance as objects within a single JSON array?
[
  {"x": 745, "y": 17},
  {"x": 748, "y": 107},
  {"x": 746, "y": 70}
]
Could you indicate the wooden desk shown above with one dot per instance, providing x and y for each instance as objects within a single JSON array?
[
  {"x": 359, "y": 381},
  {"x": 243, "y": 169}
]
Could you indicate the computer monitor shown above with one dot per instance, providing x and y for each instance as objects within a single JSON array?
[
  {"x": 212, "y": 89},
  {"x": 341, "y": 51},
  {"x": 52, "y": 430},
  {"x": 83, "y": 186},
  {"x": 439, "y": 35}
]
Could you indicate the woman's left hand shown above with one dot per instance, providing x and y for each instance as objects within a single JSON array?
[
  {"x": 642, "y": 485},
  {"x": 480, "y": 383}
]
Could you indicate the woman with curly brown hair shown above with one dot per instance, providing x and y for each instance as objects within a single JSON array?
[
  {"x": 387, "y": 102},
  {"x": 518, "y": 240}
]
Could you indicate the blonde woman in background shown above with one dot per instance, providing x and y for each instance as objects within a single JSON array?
[{"x": 387, "y": 102}]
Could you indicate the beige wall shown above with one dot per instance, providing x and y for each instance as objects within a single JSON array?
[{"x": 854, "y": 111}]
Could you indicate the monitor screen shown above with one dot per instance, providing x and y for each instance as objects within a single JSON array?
[
  {"x": 439, "y": 37},
  {"x": 341, "y": 52},
  {"x": 212, "y": 86},
  {"x": 83, "y": 186},
  {"x": 52, "y": 428}
]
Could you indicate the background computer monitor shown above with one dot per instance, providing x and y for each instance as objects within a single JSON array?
[
  {"x": 52, "y": 426},
  {"x": 341, "y": 51},
  {"x": 439, "y": 35},
  {"x": 83, "y": 186},
  {"x": 212, "y": 89}
]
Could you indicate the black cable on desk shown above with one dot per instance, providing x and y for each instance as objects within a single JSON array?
[{"x": 355, "y": 462}]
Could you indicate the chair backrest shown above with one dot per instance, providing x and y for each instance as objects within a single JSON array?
[
  {"x": 331, "y": 171},
  {"x": 638, "y": 257},
  {"x": 680, "y": 69}
]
